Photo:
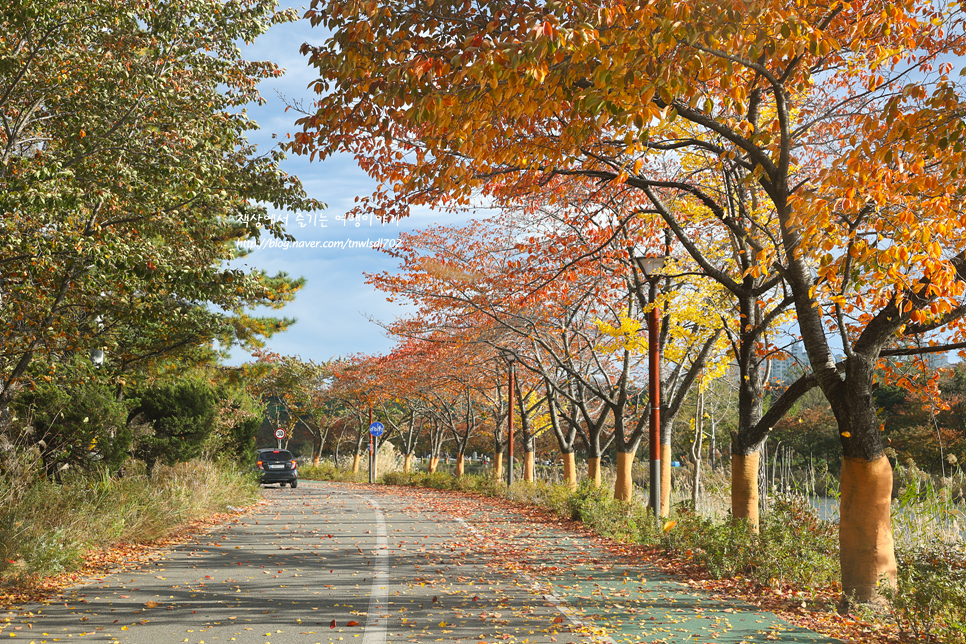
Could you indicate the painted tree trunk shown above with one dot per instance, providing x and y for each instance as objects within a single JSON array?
[
  {"x": 624, "y": 485},
  {"x": 528, "y": 467},
  {"x": 355, "y": 462},
  {"x": 408, "y": 463},
  {"x": 570, "y": 470},
  {"x": 593, "y": 470},
  {"x": 433, "y": 464},
  {"x": 866, "y": 546},
  {"x": 498, "y": 465},
  {"x": 665, "y": 480},
  {"x": 316, "y": 458},
  {"x": 460, "y": 464},
  {"x": 744, "y": 488}
]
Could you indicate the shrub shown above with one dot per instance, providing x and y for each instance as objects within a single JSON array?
[
  {"x": 181, "y": 416},
  {"x": 929, "y": 600},
  {"x": 329, "y": 472},
  {"x": 79, "y": 426},
  {"x": 726, "y": 549},
  {"x": 795, "y": 546}
]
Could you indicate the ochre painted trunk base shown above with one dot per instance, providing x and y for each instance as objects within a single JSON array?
[
  {"x": 528, "y": 469},
  {"x": 593, "y": 470},
  {"x": 315, "y": 459},
  {"x": 408, "y": 463},
  {"x": 460, "y": 464},
  {"x": 433, "y": 464},
  {"x": 665, "y": 480},
  {"x": 355, "y": 463},
  {"x": 744, "y": 488},
  {"x": 498, "y": 465},
  {"x": 866, "y": 547},
  {"x": 624, "y": 485},
  {"x": 570, "y": 470}
]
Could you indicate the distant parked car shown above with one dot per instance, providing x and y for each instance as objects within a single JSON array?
[{"x": 277, "y": 466}]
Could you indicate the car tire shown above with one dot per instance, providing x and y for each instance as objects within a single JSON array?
[{"x": 294, "y": 484}]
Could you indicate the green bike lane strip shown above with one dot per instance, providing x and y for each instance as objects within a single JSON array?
[{"x": 616, "y": 599}]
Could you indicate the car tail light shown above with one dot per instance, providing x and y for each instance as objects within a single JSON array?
[
  {"x": 294, "y": 465},
  {"x": 261, "y": 465}
]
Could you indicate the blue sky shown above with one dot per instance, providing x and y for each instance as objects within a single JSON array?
[{"x": 334, "y": 307}]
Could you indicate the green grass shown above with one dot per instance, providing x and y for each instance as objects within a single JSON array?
[{"x": 46, "y": 528}]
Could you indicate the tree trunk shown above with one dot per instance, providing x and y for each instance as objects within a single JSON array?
[
  {"x": 744, "y": 488},
  {"x": 433, "y": 464},
  {"x": 570, "y": 470},
  {"x": 528, "y": 467},
  {"x": 408, "y": 463},
  {"x": 665, "y": 480},
  {"x": 355, "y": 462},
  {"x": 866, "y": 546},
  {"x": 460, "y": 464},
  {"x": 498, "y": 465},
  {"x": 624, "y": 485},
  {"x": 317, "y": 442},
  {"x": 593, "y": 470}
]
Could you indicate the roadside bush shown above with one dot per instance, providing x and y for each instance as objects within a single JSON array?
[
  {"x": 929, "y": 600},
  {"x": 725, "y": 548},
  {"x": 794, "y": 546},
  {"x": 329, "y": 472},
  {"x": 78, "y": 426},
  {"x": 181, "y": 416}
]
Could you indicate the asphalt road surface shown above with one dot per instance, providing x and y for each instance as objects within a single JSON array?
[{"x": 329, "y": 562}]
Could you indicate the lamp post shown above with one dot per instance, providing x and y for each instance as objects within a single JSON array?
[
  {"x": 650, "y": 266},
  {"x": 510, "y": 359}
]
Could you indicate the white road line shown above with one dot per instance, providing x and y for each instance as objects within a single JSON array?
[
  {"x": 559, "y": 603},
  {"x": 375, "y": 632}
]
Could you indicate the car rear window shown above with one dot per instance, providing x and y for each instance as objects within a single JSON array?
[{"x": 277, "y": 455}]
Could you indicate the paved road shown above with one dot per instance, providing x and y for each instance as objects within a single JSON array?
[{"x": 331, "y": 562}]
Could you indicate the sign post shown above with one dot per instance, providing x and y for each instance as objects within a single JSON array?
[
  {"x": 375, "y": 431},
  {"x": 280, "y": 434}
]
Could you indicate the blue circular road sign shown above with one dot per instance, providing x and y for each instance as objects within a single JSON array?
[{"x": 376, "y": 429}]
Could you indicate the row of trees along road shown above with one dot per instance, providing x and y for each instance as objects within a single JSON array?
[
  {"x": 806, "y": 159},
  {"x": 125, "y": 183}
]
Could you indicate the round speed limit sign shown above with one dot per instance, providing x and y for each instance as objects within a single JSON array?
[{"x": 279, "y": 433}]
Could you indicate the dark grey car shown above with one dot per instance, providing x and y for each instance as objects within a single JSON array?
[{"x": 277, "y": 466}]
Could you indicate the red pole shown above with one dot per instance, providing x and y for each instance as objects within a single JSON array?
[
  {"x": 509, "y": 424},
  {"x": 654, "y": 393}
]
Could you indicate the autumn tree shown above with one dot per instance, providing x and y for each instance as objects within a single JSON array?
[{"x": 837, "y": 124}]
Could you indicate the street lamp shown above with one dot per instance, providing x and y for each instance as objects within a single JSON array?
[
  {"x": 510, "y": 358},
  {"x": 651, "y": 266}
]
